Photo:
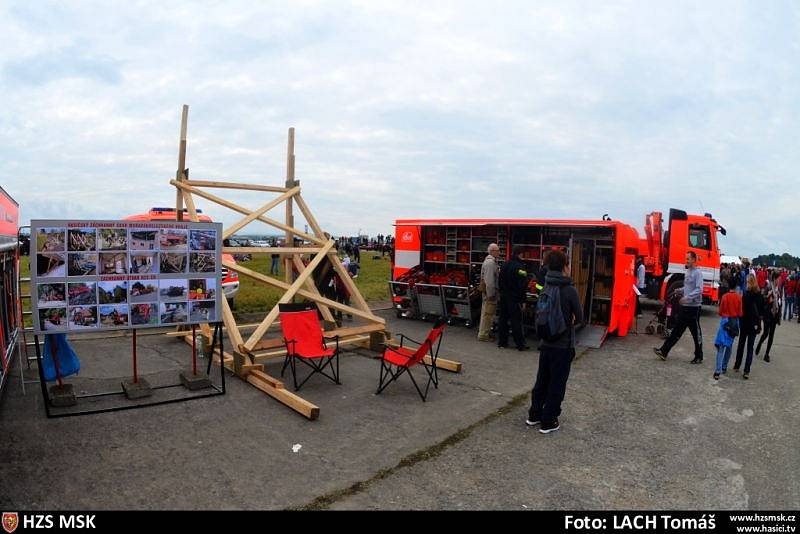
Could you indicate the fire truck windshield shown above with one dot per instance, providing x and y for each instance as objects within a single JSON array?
[{"x": 699, "y": 236}]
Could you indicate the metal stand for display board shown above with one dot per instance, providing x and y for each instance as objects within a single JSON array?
[{"x": 217, "y": 390}]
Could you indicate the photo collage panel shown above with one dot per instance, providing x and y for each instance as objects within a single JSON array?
[{"x": 69, "y": 253}]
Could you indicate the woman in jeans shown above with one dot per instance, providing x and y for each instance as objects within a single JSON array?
[
  {"x": 752, "y": 304},
  {"x": 730, "y": 309}
]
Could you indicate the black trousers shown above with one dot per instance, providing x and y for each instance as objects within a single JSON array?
[
  {"x": 688, "y": 317},
  {"x": 510, "y": 313},
  {"x": 746, "y": 337},
  {"x": 769, "y": 332},
  {"x": 551, "y": 384}
]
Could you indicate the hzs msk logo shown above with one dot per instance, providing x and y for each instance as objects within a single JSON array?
[
  {"x": 407, "y": 237},
  {"x": 10, "y": 521}
]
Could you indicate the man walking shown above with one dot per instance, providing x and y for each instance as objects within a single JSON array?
[
  {"x": 513, "y": 286},
  {"x": 689, "y": 315},
  {"x": 490, "y": 274},
  {"x": 556, "y": 354}
]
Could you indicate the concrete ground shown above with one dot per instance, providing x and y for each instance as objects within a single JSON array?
[{"x": 637, "y": 433}]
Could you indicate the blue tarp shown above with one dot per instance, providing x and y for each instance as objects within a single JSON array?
[{"x": 68, "y": 363}]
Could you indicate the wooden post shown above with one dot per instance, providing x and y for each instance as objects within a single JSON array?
[
  {"x": 179, "y": 175},
  {"x": 290, "y": 183}
]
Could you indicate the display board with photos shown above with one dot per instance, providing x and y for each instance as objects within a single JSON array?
[{"x": 111, "y": 275}]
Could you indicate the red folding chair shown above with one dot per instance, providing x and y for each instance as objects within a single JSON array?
[
  {"x": 399, "y": 360},
  {"x": 305, "y": 343}
]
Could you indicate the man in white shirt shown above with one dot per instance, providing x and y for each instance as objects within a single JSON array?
[
  {"x": 640, "y": 272},
  {"x": 489, "y": 278}
]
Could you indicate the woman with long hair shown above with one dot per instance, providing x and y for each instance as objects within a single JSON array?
[
  {"x": 772, "y": 313},
  {"x": 752, "y": 304}
]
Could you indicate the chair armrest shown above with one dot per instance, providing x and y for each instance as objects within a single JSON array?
[{"x": 404, "y": 337}]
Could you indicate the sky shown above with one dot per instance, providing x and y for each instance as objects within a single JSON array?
[{"x": 529, "y": 109}]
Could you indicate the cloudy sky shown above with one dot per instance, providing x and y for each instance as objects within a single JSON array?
[{"x": 433, "y": 109}]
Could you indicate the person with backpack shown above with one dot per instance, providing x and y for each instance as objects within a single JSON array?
[
  {"x": 513, "y": 292},
  {"x": 730, "y": 309},
  {"x": 772, "y": 313},
  {"x": 557, "y": 311},
  {"x": 752, "y": 306},
  {"x": 689, "y": 314}
]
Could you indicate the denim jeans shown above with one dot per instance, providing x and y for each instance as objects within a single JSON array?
[
  {"x": 723, "y": 357},
  {"x": 788, "y": 308}
]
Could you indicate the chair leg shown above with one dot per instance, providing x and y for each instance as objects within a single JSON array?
[
  {"x": 293, "y": 365},
  {"x": 414, "y": 381},
  {"x": 285, "y": 363}
]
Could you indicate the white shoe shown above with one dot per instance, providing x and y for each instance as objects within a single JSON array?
[{"x": 532, "y": 423}]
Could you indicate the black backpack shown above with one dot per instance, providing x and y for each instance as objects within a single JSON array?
[{"x": 550, "y": 323}]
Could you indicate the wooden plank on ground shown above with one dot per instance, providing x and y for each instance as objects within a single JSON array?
[
  {"x": 270, "y": 354},
  {"x": 265, "y": 383}
]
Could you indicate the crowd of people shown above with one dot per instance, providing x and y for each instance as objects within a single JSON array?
[{"x": 755, "y": 299}]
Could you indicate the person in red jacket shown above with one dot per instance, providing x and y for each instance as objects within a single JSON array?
[
  {"x": 730, "y": 310},
  {"x": 761, "y": 277},
  {"x": 789, "y": 297}
]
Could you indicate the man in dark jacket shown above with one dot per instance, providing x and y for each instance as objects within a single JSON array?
[
  {"x": 513, "y": 286},
  {"x": 555, "y": 357}
]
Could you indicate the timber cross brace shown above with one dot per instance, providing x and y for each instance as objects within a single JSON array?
[{"x": 319, "y": 254}]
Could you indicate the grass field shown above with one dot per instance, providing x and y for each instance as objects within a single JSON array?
[{"x": 256, "y": 297}]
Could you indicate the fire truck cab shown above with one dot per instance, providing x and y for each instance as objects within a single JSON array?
[{"x": 664, "y": 252}]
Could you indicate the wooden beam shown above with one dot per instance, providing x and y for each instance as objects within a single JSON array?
[
  {"x": 270, "y": 354},
  {"x": 283, "y": 251},
  {"x": 312, "y": 222},
  {"x": 266, "y": 384},
  {"x": 369, "y": 316},
  {"x": 232, "y": 229},
  {"x": 290, "y": 182},
  {"x": 288, "y": 296},
  {"x": 355, "y": 294},
  {"x": 179, "y": 174},
  {"x": 447, "y": 365},
  {"x": 245, "y": 211},
  {"x": 324, "y": 310},
  {"x": 204, "y": 328},
  {"x": 232, "y": 185}
]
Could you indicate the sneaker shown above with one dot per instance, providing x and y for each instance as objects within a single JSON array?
[
  {"x": 552, "y": 427},
  {"x": 484, "y": 339},
  {"x": 533, "y": 422},
  {"x": 746, "y": 376},
  {"x": 766, "y": 358},
  {"x": 659, "y": 353},
  {"x": 501, "y": 346},
  {"x": 697, "y": 360},
  {"x": 523, "y": 348},
  {"x": 716, "y": 376}
]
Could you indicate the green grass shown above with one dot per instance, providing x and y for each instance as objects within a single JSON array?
[{"x": 254, "y": 296}]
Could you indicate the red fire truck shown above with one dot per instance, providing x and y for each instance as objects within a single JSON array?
[{"x": 447, "y": 254}]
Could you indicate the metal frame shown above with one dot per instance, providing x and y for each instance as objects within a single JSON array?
[
  {"x": 386, "y": 371},
  {"x": 217, "y": 334},
  {"x": 431, "y": 304},
  {"x": 317, "y": 365},
  {"x": 410, "y": 311},
  {"x": 463, "y": 305}
]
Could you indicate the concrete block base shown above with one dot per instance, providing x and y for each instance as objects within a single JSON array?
[
  {"x": 194, "y": 382},
  {"x": 63, "y": 395},
  {"x": 137, "y": 390}
]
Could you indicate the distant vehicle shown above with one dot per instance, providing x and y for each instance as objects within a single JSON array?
[
  {"x": 230, "y": 279},
  {"x": 260, "y": 243}
]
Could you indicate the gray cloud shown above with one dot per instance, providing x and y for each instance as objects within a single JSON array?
[{"x": 412, "y": 110}]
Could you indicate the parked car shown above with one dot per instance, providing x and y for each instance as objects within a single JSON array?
[{"x": 230, "y": 279}]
